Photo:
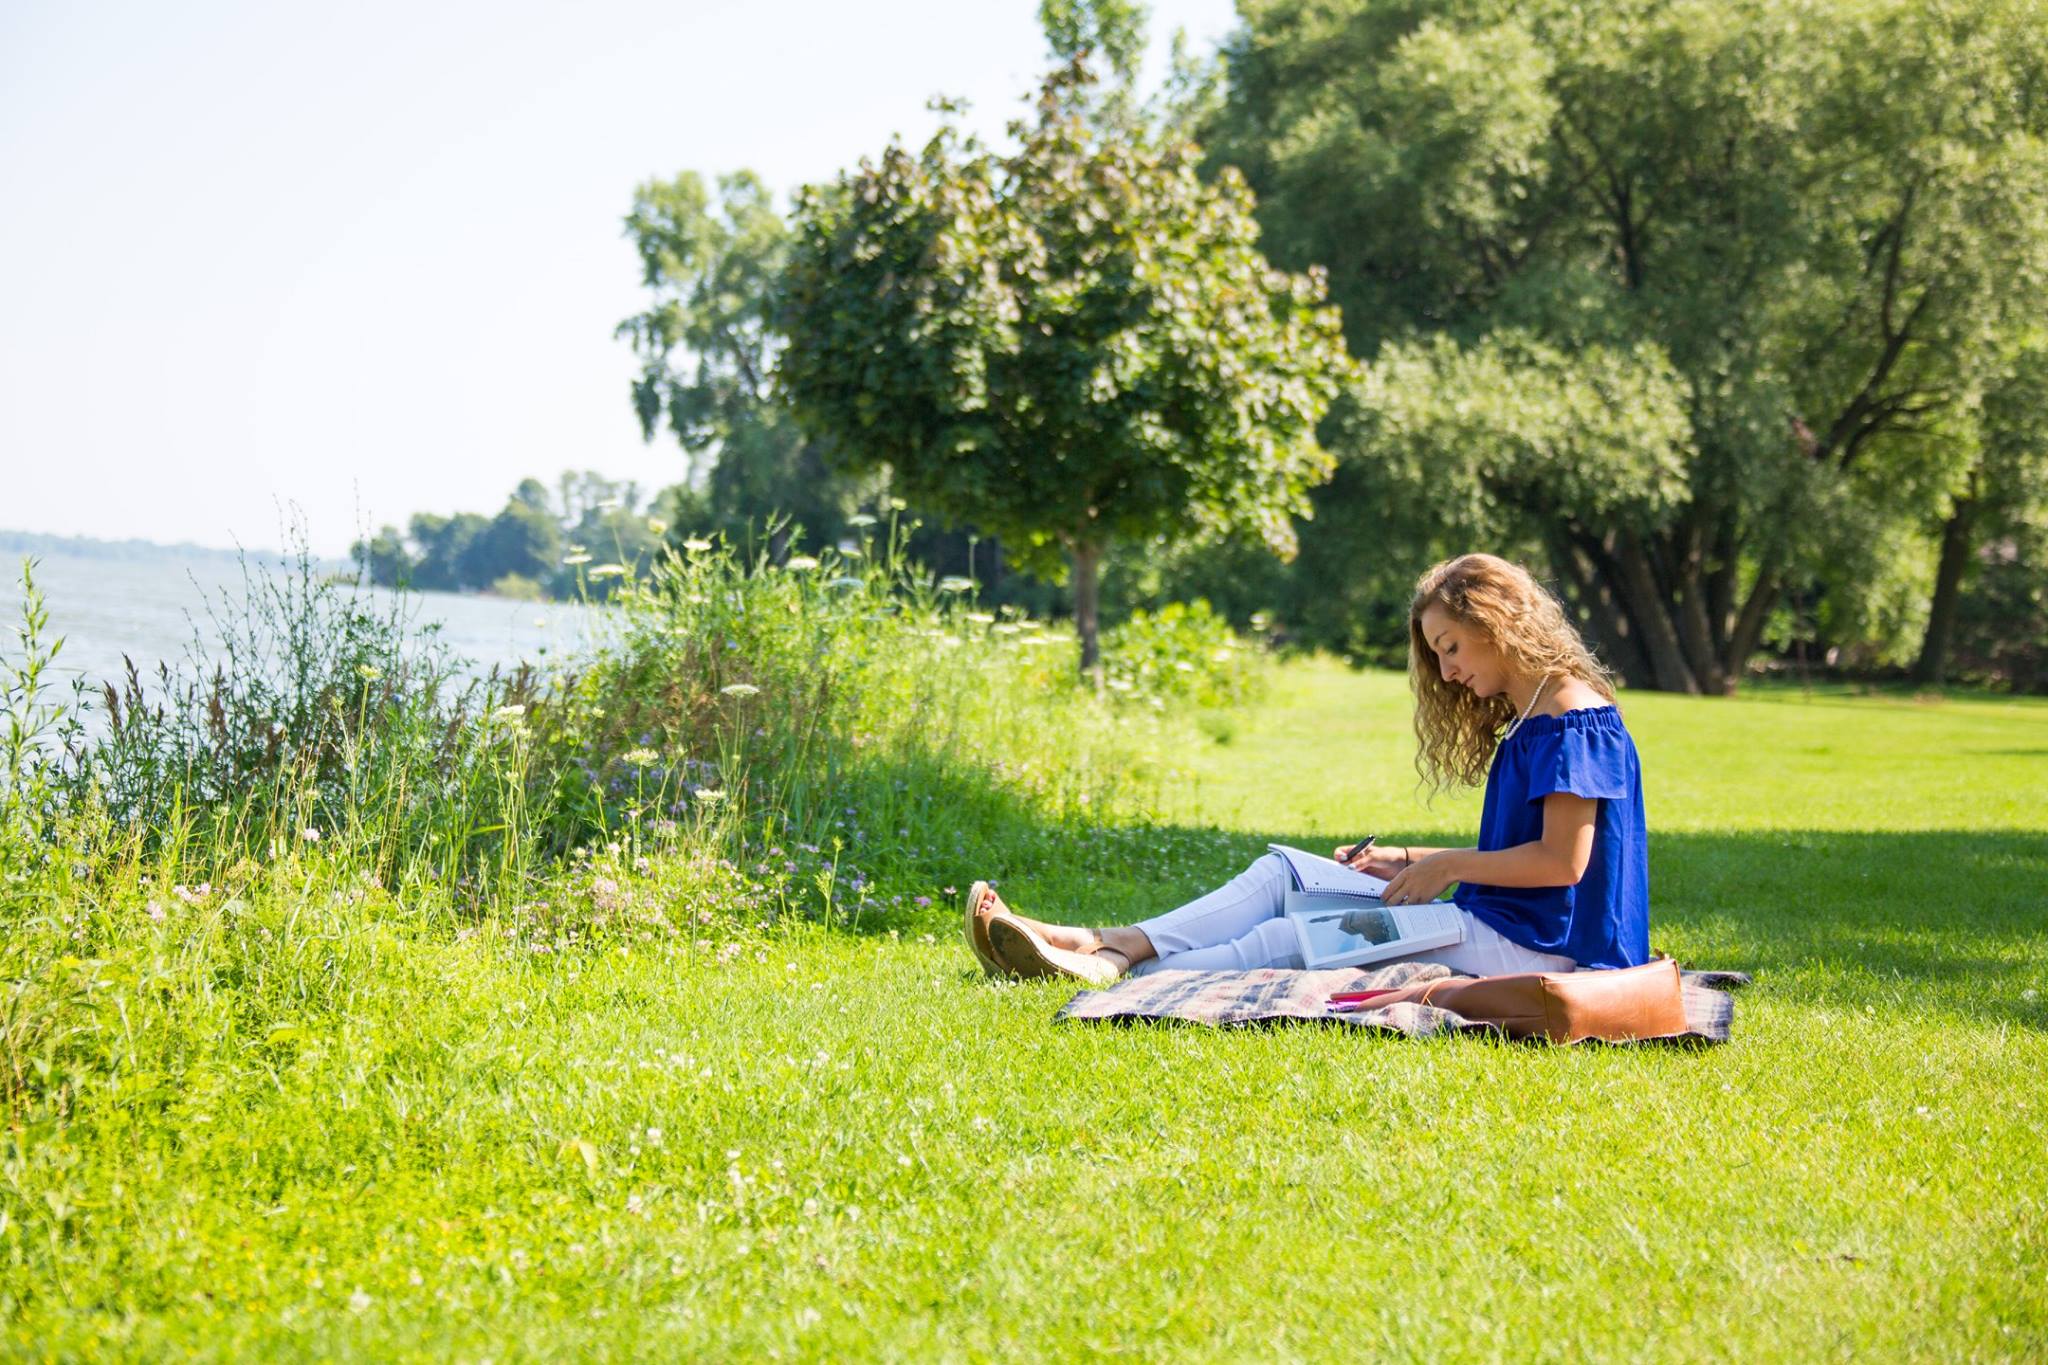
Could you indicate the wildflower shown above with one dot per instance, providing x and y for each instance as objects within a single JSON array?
[
  {"x": 851, "y": 550},
  {"x": 980, "y": 617},
  {"x": 954, "y": 582},
  {"x": 844, "y": 582},
  {"x": 608, "y": 571},
  {"x": 155, "y": 911},
  {"x": 710, "y": 795},
  {"x": 923, "y": 901},
  {"x": 800, "y": 563},
  {"x": 310, "y": 835},
  {"x": 578, "y": 558},
  {"x": 635, "y": 1205},
  {"x": 860, "y": 519},
  {"x": 897, "y": 504},
  {"x": 610, "y": 505},
  {"x": 358, "y": 1301},
  {"x": 696, "y": 545},
  {"x": 508, "y": 713},
  {"x": 367, "y": 673},
  {"x": 738, "y": 690},
  {"x": 657, "y": 526},
  {"x": 641, "y": 758}
]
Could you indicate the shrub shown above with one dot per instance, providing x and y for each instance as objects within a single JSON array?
[{"x": 1183, "y": 651}]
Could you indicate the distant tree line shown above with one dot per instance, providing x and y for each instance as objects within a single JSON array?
[
  {"x": 1728, "y": 317},
  {"x": 579, "y": 538}
]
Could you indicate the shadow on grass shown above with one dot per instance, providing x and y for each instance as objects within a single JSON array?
[{"x": 1946, "y": 921}]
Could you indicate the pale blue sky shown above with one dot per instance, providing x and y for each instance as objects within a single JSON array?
[{"x": 367, "y": 258}]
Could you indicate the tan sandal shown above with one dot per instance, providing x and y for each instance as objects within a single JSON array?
[{"x": 1021, "y": 952}]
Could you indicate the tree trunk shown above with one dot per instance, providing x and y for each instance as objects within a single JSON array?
[
  {"x": 1087, "y": 568},
  {"x": 1605, "y": 622},
  {"x": 1721, "y": 582},
  {"x": 1749, "y": 627},
  {"x": 1622, "y": 561},
  {"x": 1685, "y": 588},
  {"x": 1932, "y": 665}
]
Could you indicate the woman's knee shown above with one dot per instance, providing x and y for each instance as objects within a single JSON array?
[{"x": 1270, "y": 867}]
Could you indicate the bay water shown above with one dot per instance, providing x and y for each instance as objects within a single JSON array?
[{"x": 162, "y": 607}]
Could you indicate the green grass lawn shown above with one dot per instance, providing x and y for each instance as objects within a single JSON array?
[{"x": 854, "y": 1145}]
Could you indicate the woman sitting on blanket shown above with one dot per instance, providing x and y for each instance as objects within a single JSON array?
[{"x": 1505, "y": 692}]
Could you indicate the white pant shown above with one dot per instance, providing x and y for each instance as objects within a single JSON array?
[{"x": 1241, "y": 925}]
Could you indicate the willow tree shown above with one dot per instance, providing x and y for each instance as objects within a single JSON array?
[
  {"x": 1806, "y": 227},
  {"x": 1072, "y": 342}
]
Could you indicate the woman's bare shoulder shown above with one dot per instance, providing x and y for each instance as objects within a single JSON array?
[{"x": 1573, "y": 694}]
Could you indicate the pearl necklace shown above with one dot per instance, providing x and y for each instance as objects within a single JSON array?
[{"x": 1536, "y": 697}]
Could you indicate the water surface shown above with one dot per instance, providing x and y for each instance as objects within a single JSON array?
[{"x": 163, "y": 609}]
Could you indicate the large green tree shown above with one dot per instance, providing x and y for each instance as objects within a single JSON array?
[
  {"x": 707, "y": 345},
  {"x": 1703, "y": 299},
  {"x": 1071, "y": 343}
]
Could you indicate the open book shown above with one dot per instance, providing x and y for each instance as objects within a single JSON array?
[{"x": 1340, "y": 920}]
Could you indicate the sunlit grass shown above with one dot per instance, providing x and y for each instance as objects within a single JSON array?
[{"x": 307, "y": 1114}]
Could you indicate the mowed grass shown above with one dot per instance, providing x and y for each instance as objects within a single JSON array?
[{"x": 855, "y": 1146}]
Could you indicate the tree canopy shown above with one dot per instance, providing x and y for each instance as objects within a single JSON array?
[
  {"x": 1072, "y": 343},
  {"x": 1703, "y": 300}
]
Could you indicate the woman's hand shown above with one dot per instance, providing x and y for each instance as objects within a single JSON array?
[
  {"x": 1381, "y": 860},
  {"x": 1423, "y": 880}
]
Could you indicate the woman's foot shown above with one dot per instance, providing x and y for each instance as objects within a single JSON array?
[
  {"x": 982, "y": 900},
  {"x": 1023, "y": 953},
  {"x": 1119, "y": 947}
]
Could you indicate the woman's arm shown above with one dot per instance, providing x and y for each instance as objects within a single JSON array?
[
  {"x": 1559, "y": 858},
  {"x": 1390, "y": 860}
]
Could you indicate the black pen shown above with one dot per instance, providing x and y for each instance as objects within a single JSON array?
[{"x": 1361, "y": 846}]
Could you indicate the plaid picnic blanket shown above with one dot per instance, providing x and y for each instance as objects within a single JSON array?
[{"x": 1278, "y": 995}]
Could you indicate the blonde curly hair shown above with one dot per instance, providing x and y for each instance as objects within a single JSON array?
[{"x": 1456, "y": 730}]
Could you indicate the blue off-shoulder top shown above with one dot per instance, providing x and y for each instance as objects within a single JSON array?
[{"x": 1604, "y": 921}]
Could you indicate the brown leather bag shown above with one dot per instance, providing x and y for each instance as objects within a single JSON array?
[{"x": 1621, "y": 1005}]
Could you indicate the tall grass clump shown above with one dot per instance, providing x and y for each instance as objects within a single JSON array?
[
  {"x": 39, "y": 729},
  {"x": 796, "y": 727},
  {"x": 316, "y": 712},
  {"x": 832, "y": 719}
]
